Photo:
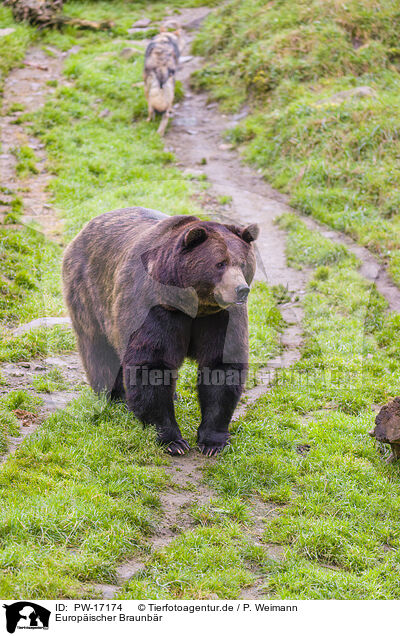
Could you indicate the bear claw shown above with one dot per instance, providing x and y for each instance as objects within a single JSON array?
[
  {"x": 178, "y": 447},
  {"x": 210, "y": 451}
]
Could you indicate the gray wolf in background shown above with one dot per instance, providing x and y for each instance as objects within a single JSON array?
[{"x": 160, "y": 64}]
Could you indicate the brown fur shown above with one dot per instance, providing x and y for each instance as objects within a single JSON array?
[
  {"x": 161, "y": 62},
  {"x": 140, "y": 289}
]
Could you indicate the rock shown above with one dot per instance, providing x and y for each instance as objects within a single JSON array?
[
  {"x": 74, "y": 49},
  {"x": 58, "y": 400},
  {"x": 225, "y": 146},
  {"x": 105, "y": 113},
  {"x": 387, "y": 427},
  {"x": 55, "y": 361},
  {"x": 241, "y": 115},
  {"x": 193, "y": 174},
  {"x": 127, "y": 53},
  {"x": 7, "y": 31},
  {"x": 185, "y": 58},
  {"x": 342, "y": 96},
  {"x": 41, "y": 322},
  {"x": 6, "y": 198},
  {"x": 143, "y": 23}
]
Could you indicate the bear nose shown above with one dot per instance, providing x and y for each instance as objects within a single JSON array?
[{"x": 242, "y": 291}]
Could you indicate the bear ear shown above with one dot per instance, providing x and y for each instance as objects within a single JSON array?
[
  {"x": 250, "y": 233},
  {"x": 195, "y": 236}
]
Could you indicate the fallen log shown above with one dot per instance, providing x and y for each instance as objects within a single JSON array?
[{"x": 48, "y": 13}]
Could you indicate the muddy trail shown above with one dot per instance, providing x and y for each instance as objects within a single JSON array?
[{"x": 196, "y": 136}]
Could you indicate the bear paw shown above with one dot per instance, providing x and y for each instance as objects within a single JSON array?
[{"x": 177, "y": 447}]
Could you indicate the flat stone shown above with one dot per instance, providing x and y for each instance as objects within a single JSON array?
[
  {"x": 41, "y": 322},
  {"x": 193, "y": 173},
  {"x": 58, "y": 400},
  {"x": 7, "y": 31},
  {"x": 127, "y": 53},
  {"x": 74, "y": 49},
  {"x": 55, "y": 361},
  {"x": 342, "y": 96},
  {"x": 141, "y": 24}
]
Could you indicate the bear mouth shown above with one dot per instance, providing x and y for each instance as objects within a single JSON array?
[{"x": 225, "y": 304}]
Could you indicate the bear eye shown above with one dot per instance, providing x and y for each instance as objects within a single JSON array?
[{"x": 221, "y": 265}]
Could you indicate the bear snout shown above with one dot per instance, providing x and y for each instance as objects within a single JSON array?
[
  {"x": 242, "y": 291},
  {"x": 232, "y": 289}
]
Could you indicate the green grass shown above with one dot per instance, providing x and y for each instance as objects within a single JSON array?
[
  {"x": 36, "y": 344},
  {"x": 49, "y": 382},
  {"x": 205, "y": 562},
  {"x": 29, "y": 274},
  {"x": 71, "y": 511},
  {"x": 265, "y": 325},
  {"x": 14, "y": 45},
  {"x": 26, "y": 161},
  {"x": 336, "y": 157},
  {"x": 24, "y": 256},
  {"x": 9, "y": 424}
]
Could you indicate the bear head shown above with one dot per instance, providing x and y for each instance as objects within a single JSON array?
[{"x": 216, "y": 260}]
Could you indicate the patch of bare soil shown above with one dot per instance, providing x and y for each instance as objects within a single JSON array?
[
  {"x": 20, "y": 375},
  {"x": 27, "y": 86}
]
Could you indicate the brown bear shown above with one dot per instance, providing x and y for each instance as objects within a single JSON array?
[{"x": 145, "y": 290}]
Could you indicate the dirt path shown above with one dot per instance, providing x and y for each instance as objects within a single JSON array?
[
  {"x": 28, "y": 88},
  {"x": 196, "y": 135}
]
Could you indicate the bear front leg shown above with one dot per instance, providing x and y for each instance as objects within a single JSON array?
[
  {"x": 220, "y": 388},
  {"x": 219, "y": 343},
  {"x": 154, "y": 354}
]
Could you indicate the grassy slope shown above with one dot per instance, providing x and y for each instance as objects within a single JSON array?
[
  {"x": 303, "y": 448},
  {"x": 337, "y": 159}
]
